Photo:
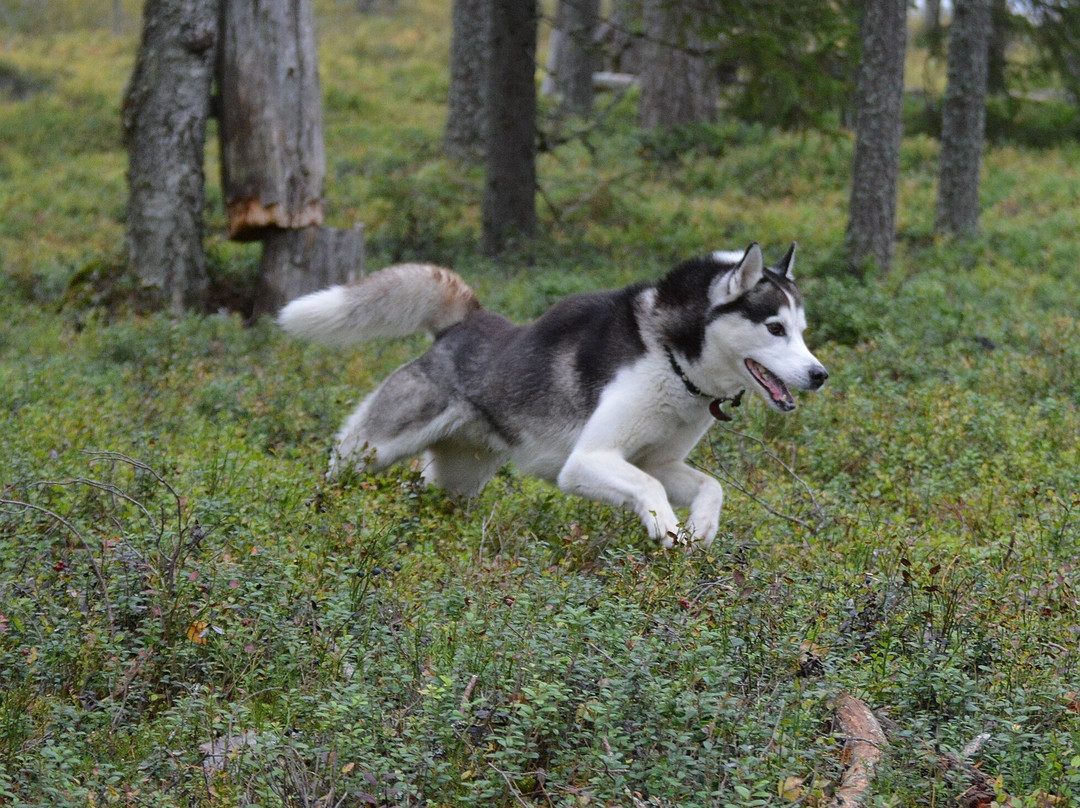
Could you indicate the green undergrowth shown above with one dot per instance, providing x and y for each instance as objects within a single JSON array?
[{"x": 191, "y": 615}]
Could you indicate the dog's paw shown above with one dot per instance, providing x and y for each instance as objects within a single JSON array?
[
  {"x": 682, "y": 535},
  {"x": 663, "y": 528},
  {"x": 682, "y": 539},
  {"x": 687, "y": 538},
  {"x": 334, "y": 468},
  {"x": 346, "y": 461},
  {"x": 704, "y": 528}
]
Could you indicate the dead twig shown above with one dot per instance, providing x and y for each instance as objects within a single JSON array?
[
  {"x": 959, "y": 772},
  {"x": 90, "y": 557},
  {"x": 728, "y": 477},
  {"x": 468, "y": 692},
  {"x": 510, "y": 785},
  {"x": 975, "y": 746}
]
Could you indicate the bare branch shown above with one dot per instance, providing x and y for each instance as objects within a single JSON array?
[
  {"x": 468, "y": 692},
  {"x": 728, "y": 477},
  {"x": 510, "y": 785},
  {"x": 85, "y": 545}
]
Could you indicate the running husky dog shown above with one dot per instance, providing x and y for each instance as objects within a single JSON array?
[{"x": 605, "y": 394}]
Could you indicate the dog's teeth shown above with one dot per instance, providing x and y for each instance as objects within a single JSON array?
[{"x": 778, "y": 391}]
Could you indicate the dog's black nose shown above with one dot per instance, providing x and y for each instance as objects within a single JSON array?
[{"x": 818, "y": 376}]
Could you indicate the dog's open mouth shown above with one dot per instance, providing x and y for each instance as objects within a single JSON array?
[{"x": 777, "y": 390}]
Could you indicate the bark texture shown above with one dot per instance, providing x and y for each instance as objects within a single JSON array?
[
  {"x": 164, "y": 114},
  {"x": 863, "y": 742},
  {"x": 678, "y": 79},
  {"x": 465, "y": 137},
  {"x": 997, "y": 48},
  {"x": 509, "y": 206},
  {"x": 931, "y": 20},
  {"x": 273, "y": 163},
  {"x": 871, "y": 229},
  {"x": 624, "y": 44},
  {"x": 963, "y": 120},
  {"x": 578, "y": 56},
  {"x": 295, "y": 262}
]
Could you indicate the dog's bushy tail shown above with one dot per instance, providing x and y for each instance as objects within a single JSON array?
[{"x": 394, "y": 302}]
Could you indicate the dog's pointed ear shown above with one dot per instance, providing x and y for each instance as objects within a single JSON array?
[
  {"x": 786, "y": 267},
  {"x": 740, "y": 280}
]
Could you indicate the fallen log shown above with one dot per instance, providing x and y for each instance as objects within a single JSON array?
[{"x": 864, "y": 741}]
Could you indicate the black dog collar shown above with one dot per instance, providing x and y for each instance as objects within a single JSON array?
[
  {"x": 691, "y": 388},
  {"x": 714, "y": 405}
]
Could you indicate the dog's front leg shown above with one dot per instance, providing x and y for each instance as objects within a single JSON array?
[
  {"x": 606, "y": 476},
  {"x": 689, "y": 488}
]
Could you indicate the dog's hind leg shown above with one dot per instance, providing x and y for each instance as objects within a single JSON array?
[
  {"x": 401, "y": 418},
  {"x": 689, "y": 488},
  {"x": 461, "y": 467}
]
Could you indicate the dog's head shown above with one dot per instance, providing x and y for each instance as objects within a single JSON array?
[{"x": 743, "y": 328}]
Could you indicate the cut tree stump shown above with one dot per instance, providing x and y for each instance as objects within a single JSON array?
[
  {"x": 295, "y": 262},
  {"x": 864, "y": 741},
  {"x": 273, "y": 161}
]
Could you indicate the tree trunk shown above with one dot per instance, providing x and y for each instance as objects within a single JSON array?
[
  {"x": 509, "y": 206},
  {"x": 295, "y": 262},
  {"x": 931, "y": 16},
  {"x": 578, "y": 57},
  {"x": 273, "y": 164},
  {"x": 548, "y": 85},
  {"x": 963, "y": 119},
  {"x": 165, "y": 108},
  {"x": 678, "y": 79},
  {"x": 1055, "y": 32},
  {"x": 625, "y": 44},
  {"x": 931, "y": 25},
  {"x": 470, "y": 48},
  {"x": 871, "y": 229},
  {"x": 997, "y": 58}
]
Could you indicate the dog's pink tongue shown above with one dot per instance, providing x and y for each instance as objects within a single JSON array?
[
  {"x": 777, "y": 389},
  {"x": 780, "y": 393}
]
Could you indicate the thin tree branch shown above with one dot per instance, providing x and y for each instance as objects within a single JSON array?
[
  {"x": 85, "y": 545},
  {"x": 729, "y": 478}
]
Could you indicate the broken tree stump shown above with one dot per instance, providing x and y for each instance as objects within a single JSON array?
[
  {"x": 273, "y": 161},
  {"x": 295, "y": 262}
]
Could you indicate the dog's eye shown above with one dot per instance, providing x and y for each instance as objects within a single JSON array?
[{"x": 776, "y": 329}]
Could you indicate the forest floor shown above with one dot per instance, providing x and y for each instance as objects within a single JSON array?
[{"x": 190, "y": 615}]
